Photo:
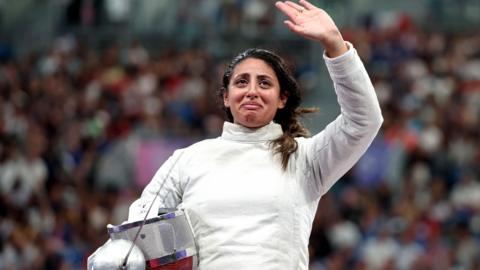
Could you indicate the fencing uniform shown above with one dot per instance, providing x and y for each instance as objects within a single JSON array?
[{"x": 246, "y": 211}]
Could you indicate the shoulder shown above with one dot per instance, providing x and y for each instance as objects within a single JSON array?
[
  {"x": 304, "y": 142},
  {"x": 202, "y": 144},
  {"x": 200, "y": 147},
  {"x": 316, "y": 141},
  {"x": 197, "y": 154}
]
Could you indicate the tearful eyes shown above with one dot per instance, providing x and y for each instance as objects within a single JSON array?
[
  {"x": 244, "y": 82},
  {"x": 241, "y": 82},
  {"x": 265, "y": 84}
]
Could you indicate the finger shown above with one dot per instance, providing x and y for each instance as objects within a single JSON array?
[
  {"x": 296, "y": 6},
  {"x": 293, "y": 27},
  {"x": 307, "y": 5},
  {"x": 287, "y": 10}
]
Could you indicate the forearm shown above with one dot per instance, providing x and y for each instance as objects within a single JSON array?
[
  {"x": 339, "y": 146},
  {"x": 355, "y": 92}
]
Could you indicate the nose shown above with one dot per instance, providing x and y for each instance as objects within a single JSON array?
[{"x": 252, "y": 91}]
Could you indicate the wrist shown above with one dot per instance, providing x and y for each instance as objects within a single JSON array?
[{"x": 335, "y": 45}]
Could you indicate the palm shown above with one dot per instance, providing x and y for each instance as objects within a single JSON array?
[{"x": 311, "y": 22}]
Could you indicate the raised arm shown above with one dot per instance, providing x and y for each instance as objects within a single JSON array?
[{"x": 332, "y": 152}]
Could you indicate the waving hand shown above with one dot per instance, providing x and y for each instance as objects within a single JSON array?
[{"x": 314, "y": 23}]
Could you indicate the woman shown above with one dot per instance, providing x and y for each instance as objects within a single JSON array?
[{"x": 252, "y": 193}]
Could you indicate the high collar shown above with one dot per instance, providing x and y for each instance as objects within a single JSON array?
[{"x": 240, "y": 133}]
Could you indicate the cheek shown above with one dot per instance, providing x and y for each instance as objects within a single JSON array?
[
  {"x": 234, "y": 96},
  {"x": 229, "y": 97}
]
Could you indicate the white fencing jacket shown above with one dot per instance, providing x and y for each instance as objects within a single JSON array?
[{"x": 248, "y": 213}]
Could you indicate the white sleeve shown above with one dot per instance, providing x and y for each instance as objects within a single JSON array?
[
  {"x": 166, "y": 182},
  {"x": 333, "y": 151}
]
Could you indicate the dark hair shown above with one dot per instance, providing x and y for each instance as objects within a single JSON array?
[{"x": 287, "y": 117}]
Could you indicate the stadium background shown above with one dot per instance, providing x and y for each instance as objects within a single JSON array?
[{"x": 94, "y": 95}]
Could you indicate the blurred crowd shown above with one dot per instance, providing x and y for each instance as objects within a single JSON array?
[
  {"x": 74, "y": 121},
  {"x": 78, "y": 124},
  {"x": 413, "y": 200}
]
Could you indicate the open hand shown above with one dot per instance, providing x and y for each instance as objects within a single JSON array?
[{"x": 314, "y": 23}]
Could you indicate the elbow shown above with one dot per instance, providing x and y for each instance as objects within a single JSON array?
[
  {"x": 371, "y": 124},
  {"x": 376, "y": 120},
  {"x": 364, "y": 125}
]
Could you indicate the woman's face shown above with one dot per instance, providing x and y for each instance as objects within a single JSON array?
[{"x": 253, "y": 94}]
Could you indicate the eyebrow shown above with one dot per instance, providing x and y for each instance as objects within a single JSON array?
[
  {"x": 265, "y": 77},
  {"x": 261, "y": 76}
]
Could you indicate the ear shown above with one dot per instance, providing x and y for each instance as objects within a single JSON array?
[
  {"x": 282, "y": 101},
  {"x": 226, "y": 101}
]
